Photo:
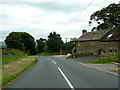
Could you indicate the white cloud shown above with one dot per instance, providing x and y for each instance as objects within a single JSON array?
[{"x": 39, "y": 17}]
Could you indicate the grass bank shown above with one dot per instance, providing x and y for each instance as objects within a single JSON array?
[
  {"x": 13, "y": 70},
  {"x": 14, "y": 63},
  {"x": 12, "y": 55},
  {"x": 48, "y": 54}
]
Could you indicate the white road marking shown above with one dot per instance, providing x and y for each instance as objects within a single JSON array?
[
  {"x": 68, "y": 82},
  {"x": 54, "y": 62}
]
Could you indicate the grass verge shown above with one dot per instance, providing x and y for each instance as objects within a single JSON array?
[
  {"x": 15, "y": 55},
  {"x": 13, "y": 70},
  {"x": 69, "y": 57},
  {"x": 107, "y": 59},
  {"x": 48, "y": 54},
  {"x": 116, "y": 71}
]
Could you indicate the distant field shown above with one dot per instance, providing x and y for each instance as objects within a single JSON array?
[
  {"x": 48, "y": 54},
  {"x": 15, "y": 55}
]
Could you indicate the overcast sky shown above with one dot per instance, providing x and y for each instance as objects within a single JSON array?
[{"x": 40, "y": 17}]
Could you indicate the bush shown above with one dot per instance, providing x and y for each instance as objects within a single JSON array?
[
  {"x": 68, "y": 57},
  {"x": 48, "y": 54}
]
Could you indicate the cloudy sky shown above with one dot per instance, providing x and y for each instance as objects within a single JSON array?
[{"x": 40, "y": 17}]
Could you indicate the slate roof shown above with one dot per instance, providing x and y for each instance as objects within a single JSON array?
[
  {"x": 100, "y": 34},
  {"x": 113, "y": 34}
]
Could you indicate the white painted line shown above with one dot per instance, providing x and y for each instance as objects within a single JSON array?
[
  {"x": 68, "y": 82},
  {"x": 54, "y": 62}
]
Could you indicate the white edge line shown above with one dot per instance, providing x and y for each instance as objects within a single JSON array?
[
  {"x": 70, "y": 85},
  {"x": 54, "y": 62}
]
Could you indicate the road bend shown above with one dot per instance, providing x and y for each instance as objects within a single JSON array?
[{"x": 53, "y": 72}]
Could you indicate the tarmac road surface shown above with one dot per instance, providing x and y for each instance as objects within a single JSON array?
[{"x": 53, "y": 72}]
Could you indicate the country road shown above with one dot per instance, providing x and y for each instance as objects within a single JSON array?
[{"x": 53, "y": 72}]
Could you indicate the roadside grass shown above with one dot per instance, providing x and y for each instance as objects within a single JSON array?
[
  {"x": 14, "y": 69},
  {"x": 116, "y": 71},
  {"x": 107, "y": 59},
  {"x": 69, "y": 57},
  {"x": 102, "y": 60},
  {"x": 16, "y": 55},
  {"x": 114, "y": 58},
  {"x": 14, "y": 63},
  {"x": 48, "y": 54}
]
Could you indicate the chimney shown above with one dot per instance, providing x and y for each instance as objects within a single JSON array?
[{"x": 84, "y": 31}]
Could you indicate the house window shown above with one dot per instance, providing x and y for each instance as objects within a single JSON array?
[
  {"x": 109, "y": 35},
  {"x": 101, "y": 52},
  {"x": 112, "y": 51},
  {"x": 78, "y": 43}
]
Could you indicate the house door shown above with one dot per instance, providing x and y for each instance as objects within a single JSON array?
[{"x": 101, "y": 52}]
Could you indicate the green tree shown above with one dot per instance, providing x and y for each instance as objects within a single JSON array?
[
  {"x": 106, "y": 17},
  {"x": 54, "y": 42},
  {"x": 40, "y": 45},
  {"x": 22, "y": 41},
  {"x": 29, "y": 42},
  {"x": 13, "y": 40},
  {"x": 68, "y": 46}
]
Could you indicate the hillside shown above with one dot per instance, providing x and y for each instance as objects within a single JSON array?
[{"x": 11, "y": 55}]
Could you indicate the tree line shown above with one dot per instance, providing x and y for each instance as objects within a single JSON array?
[{"x": 25, "y": 42}]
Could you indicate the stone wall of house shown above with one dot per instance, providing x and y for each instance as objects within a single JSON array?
[
  {"x": 109, "y": 47},
  {"x": 95, "y": 48},
  {"x": 86, "y": 48}
]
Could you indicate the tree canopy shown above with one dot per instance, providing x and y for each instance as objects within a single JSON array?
[
  {"x": 54, "y": 42},
  {"x": 40, "y": 45},
  {"x": 106, "y": 17},
  {"x": 22, "y": 41},
  {"x": 69, "y": 46}
]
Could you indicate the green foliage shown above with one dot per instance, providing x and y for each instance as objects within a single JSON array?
[
  {"x": 16, "y": 55},
  {"x": 67, "y": 47},
  {"x": 13, "y": 40},
  {"x": 114, "y": 58},
  {"x": 102, "y": 60},
  {"x": 22, "y": 41},
  {"x": 48, "y": 54},
  {"x": 69, "y": 57},
  {"x": 109, "y": 16},
  {"x": 108, "y": 59},
  {"x": 54, "y": 42},
  {"x": 40, "y": 45},
  {"x": 117, "y": 71},
  {"x": 28, "y": 42}
]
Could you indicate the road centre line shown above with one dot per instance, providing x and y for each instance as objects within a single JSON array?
[
  {"x": 68, "y": 82},
  {"x": 54, "y": 62}
]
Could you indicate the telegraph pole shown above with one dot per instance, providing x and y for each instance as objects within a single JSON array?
[{"x": 66, "y": 39}]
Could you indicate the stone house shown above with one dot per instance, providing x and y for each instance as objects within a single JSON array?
[{"x": 98, "y": 42}]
